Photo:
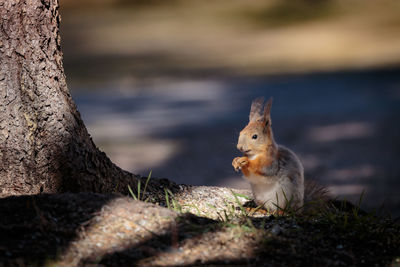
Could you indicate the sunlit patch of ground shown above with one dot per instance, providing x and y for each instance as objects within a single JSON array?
[
  {"x": 118, "y": 226},
  {"x": 346, "y": 130},
  {"x": 141, "y": 156}
]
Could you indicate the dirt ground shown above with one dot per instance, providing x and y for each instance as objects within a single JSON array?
[{"x": 111, "y": 230}]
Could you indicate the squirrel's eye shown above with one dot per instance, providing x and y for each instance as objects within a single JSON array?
[{"x": 254, "y": 136}]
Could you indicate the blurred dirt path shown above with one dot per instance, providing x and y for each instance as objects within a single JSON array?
[{"x": 130, "y": 43}]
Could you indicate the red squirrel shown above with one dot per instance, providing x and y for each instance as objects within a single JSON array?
[{"x": 275, "y": 173}]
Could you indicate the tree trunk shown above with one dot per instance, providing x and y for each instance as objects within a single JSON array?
[{"x": 44, "y": 145}]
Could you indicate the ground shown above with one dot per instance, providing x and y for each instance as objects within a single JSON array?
[{"x": 115, "y": 230}]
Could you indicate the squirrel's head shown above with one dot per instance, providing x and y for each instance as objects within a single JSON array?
[{"x": 257, "y": 136}]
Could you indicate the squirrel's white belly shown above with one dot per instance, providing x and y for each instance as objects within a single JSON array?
[
  {"x": 272, "y": 192},
  {"x": 267, "y": 194},
  {"x": 259, "y": 179}
]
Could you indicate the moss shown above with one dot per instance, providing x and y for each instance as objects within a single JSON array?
[{"x": 32, "y": 126}]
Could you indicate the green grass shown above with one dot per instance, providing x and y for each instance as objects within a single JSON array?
[
  {"x": 140, "y": 195},
  {"x": 171, "y": 202}
]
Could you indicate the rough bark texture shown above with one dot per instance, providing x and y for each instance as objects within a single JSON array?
[{"x": 44, "y": 145}]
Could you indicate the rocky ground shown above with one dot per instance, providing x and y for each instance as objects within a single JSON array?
[{"x": 86, "y": 229}]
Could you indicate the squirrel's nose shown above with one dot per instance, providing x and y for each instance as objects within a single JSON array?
[{"x": 240, "y": 147}]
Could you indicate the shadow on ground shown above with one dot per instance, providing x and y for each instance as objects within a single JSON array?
[
  {"x": 35, "y": 229},
  {"x": 87, "y": 228}
]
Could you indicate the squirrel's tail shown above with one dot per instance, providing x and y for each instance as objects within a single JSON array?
[
  {"x": 316, "y": 196},
  {"x": 313, "y": 191}
]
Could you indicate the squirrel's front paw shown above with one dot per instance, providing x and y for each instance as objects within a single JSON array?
[{"x": 239, "y": 162}]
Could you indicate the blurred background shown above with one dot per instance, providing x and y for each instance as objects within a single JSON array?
[{"x": 167, "y": 86}]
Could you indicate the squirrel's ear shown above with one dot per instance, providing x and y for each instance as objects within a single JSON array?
[
  {"x": 267, "y": 111},
  {"x": 256, "y": 109}
]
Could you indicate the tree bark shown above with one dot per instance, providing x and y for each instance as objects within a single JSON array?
[{"x": 44, "y": 145}]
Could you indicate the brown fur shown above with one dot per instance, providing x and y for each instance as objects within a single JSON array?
[
  {"x": 256, "y": 108},
  {"x": 266, "y": 149}
]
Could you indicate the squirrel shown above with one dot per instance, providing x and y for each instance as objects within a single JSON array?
[{"x": 275, "y": 173}]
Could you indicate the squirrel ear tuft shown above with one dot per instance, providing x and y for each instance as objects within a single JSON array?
[
  {"x": 256, "y": 109},
  {"x": 267, "y": 110}
]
